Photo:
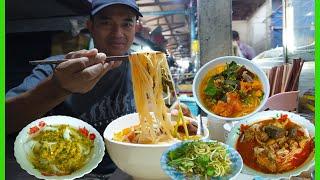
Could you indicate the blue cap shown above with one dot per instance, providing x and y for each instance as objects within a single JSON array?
[{"x": 98, "y": 5}]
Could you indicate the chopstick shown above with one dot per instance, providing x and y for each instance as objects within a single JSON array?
[
  {"x": 295, "y": 81},
  {"x": 284, "y": 78},
  {"x": 108, "y": 59}
]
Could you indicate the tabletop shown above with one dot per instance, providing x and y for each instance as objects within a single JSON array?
[{"x": 14, "y": 171}]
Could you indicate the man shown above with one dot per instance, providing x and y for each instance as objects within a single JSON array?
[
  {"x": 245, "y": 50},
  {"x": 84, "y": 86}
]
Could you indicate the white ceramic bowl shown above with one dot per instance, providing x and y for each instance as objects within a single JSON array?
[
  {"x": 21, "y": 148},
  {"x": 223, "y": 60},
  {"x": 301, "y": 121},
  {"x": 142, "y": 161}
]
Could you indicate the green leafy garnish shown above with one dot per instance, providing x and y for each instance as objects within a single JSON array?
[
  {"x": 200, "y": 158},
  {"x": 231, "y": 71},
  {"x": 223, "y": 82},
  {"x": 211, "y": 90},
  {"x": 261, "y": 97}
]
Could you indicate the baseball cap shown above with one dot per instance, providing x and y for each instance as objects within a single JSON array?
[{"x": 98, "y": 5}]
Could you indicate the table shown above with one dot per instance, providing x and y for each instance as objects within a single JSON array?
[
  {"x": 118, "y": 174},
  {"x": 15, "y": 172}
]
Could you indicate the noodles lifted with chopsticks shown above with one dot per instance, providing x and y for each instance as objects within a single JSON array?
[{"x": 150, "y": 71}]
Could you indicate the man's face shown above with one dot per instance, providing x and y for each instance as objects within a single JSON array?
[{"x": 113, "y": 29}]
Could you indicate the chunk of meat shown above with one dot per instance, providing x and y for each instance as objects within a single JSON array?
[
  {"x": 246, "y": 77},
  {"x": 242, "y": 70},
  {"x": 248, "y": 135},
  {"x": 292, "y": 132},
  {"x": 192, "y": 129},
  {"x": 185, "y": 109},
  {"x": 262, "y": 136},
  {"x": 282, "y": 152},
  {"x": 274, "y": 132},
  {"x": 264, "y": 161}
]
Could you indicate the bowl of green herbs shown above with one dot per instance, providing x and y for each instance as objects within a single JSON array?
[{"x": 206, "y": 159}]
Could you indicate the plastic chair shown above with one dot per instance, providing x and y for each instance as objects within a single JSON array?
[{"x": 286, "y": 101}]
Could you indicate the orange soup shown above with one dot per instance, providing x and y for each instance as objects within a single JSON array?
[{"x": 231, "y": 90}]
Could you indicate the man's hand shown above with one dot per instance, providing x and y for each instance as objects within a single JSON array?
[{"x": 84, "y": 69}]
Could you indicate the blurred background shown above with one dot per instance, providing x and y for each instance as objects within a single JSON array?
[{"x": 190, "y": 32}]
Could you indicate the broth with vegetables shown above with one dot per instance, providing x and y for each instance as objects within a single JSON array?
[
  {"x": 132, "y": 134},
  {"x": 231, "y": 90},
  {"x": 275, "y": 145}
]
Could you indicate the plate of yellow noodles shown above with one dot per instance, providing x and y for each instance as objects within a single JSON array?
[
  {"x": 58, "y": 147},
  {"x": 231, "y": 88}
]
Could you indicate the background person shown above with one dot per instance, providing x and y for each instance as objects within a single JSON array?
[{"x": 246, "y": 51}]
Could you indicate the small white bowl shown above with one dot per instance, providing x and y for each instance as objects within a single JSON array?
[
  {"x": 223, "y": 60},
  {"x": 142, "y": 161},
  {"x": 21, "y": 149}
]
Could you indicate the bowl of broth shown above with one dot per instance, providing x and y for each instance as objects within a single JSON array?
[
  {"x": 230, "y": 88},
  {"x": 137, "y": 157},
  {"x": 274, "y": 144}
]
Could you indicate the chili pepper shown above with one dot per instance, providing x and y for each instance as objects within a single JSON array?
[
  {"x": 42, "y": 124},
  {"x": 33, "y": 130},
  {"x": 283, "y": 117},
  {"x": 92, "y": 136},
  {"x": 84, "y": 131}
]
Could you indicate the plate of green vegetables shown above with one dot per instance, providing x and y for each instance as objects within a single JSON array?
[{"x": 203, "y": 159}]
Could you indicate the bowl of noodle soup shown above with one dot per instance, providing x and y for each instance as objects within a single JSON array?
[
  {"x": 136, "y": 141},
  {"x": 142, "y": 161},
  {"x": 230, "y": 88},
  {"x": 274, "y": 144}
]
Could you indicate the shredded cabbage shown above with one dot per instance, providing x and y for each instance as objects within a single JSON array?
[{"x": 59, "y": 150}]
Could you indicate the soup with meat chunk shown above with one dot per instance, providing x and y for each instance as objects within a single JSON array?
[{"x": 274, "y": 145}]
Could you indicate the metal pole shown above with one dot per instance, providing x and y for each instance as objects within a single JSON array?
[
  {"x": 163, "y": 13},
  {"x": 195, "y": 49},
  {"x": 284, "y": 34}
]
